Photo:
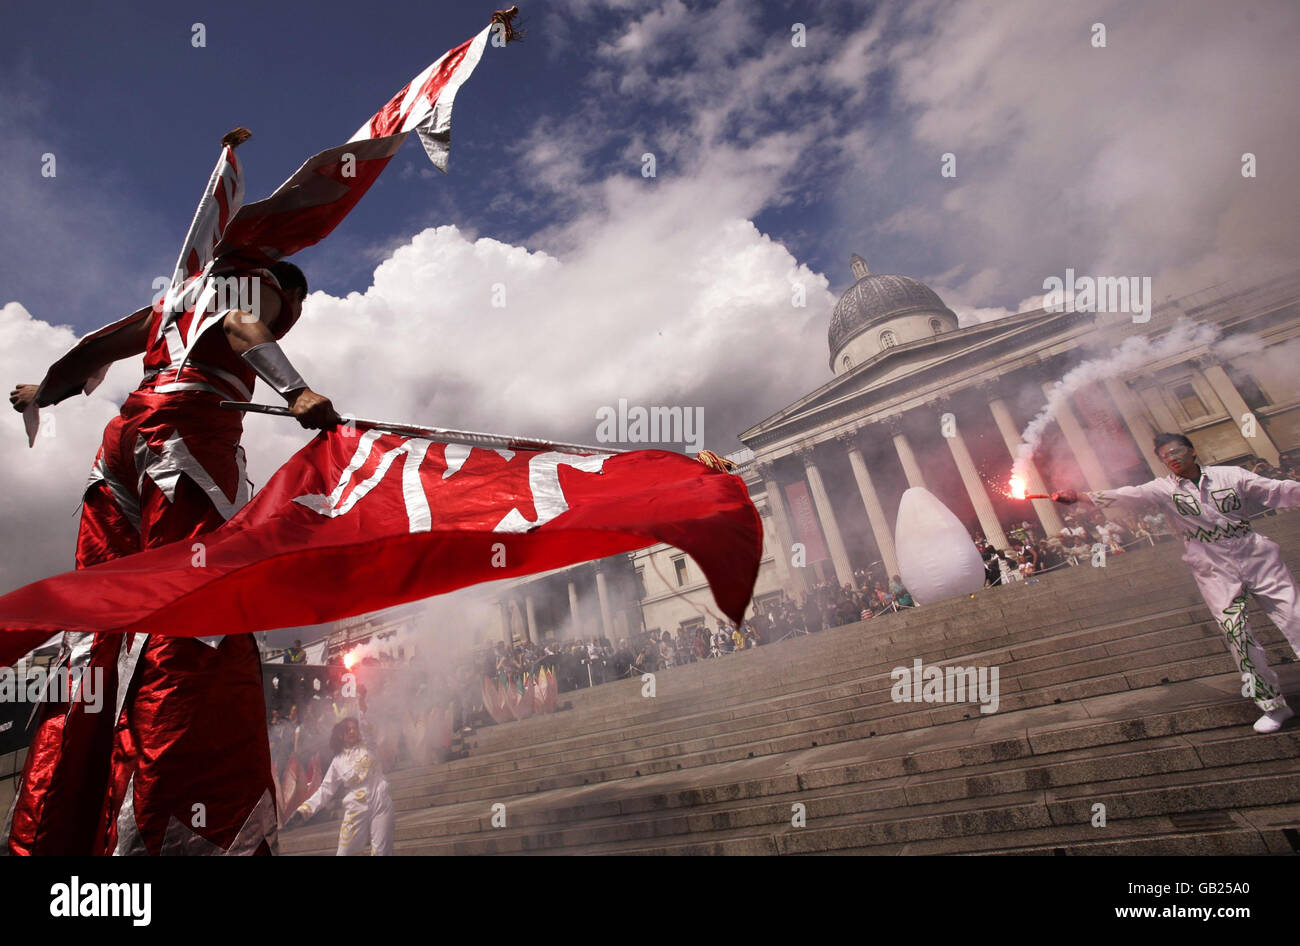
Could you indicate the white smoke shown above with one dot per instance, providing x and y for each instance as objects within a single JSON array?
[{"x": 1132, "y": 355}]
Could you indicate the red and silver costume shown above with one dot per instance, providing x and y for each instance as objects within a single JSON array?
[
  {"x": 183, "y": 764},
  {"x": 188, "y": 713},
  {"x": 1228, "y": 559}
]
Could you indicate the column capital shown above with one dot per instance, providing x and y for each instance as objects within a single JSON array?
[
  {"x": 990, "y": 389},
  {"x": 893, "y": 424},
  {"x": 1042, "y": 372},
  {"x": 804, "y": 452},
  {"x": 848, "y": 438},
  {"x": 766, "y": 469}
]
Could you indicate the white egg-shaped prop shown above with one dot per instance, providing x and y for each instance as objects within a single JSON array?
[{"x": 936, "y": 557}]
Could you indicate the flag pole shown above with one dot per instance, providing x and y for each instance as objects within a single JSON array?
[{"x": 471, "y": 438}]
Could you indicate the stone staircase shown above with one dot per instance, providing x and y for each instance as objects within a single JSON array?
[{"x": 1116, "y": 689}]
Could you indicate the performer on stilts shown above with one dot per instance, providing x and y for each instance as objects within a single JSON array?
[
  {"x": 184, "y": 722},
  {"x": 181, "y": 763},
  {"x": 367, "y": 805},
  {"x": 1227, "y": 558}
]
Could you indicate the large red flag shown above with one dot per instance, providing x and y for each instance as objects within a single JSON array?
[{"x": 360, "y": 520}]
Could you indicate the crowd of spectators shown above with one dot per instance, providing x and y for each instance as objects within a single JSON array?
[{"x": 1288, "y": 467}]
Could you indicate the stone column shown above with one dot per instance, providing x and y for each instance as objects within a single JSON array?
[
  {"x": 979, "y": 497},
  {"x": 911, "y": 469},
  {"x": 1137, "y": 424},
  {"x": 504, "y": 607},
  {"x": 826, "y": 516},
  {"x": 776, "y": 532},
  {"x": 1261, "y": 444},
  {"x": 773, "y": 546},
  {"x": 880, "y": 530},
  {"x": 530, "y": 626},
  {"x": 606, "y": 624},
  {"x": 1094, "y": 474},
  {"x": 1045, "y": 508},
  {"x": 573, "y": 609}
]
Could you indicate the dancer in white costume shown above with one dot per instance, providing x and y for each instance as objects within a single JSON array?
[
  {"x": 367, "y": 806},
  {"x": 1209, "y": 505}
]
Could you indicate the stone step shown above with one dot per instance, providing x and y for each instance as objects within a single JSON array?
[
  {"x": 947, "y": 762},
  {"x": 1106, "y": 763},
  {"x": 645, "y": 762},
  {"x": 871, "y": 701},
  {"x": 643, "y": 717},
  {"x": 883, "y": 821},
  {"x": 743, "y": 669}
]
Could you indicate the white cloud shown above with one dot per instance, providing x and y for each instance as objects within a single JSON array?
[
  {"x": 1121, "y": 160},
  {"x": 666, "y": 302}
]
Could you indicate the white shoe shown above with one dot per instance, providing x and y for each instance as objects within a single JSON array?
[{"x": 1272, "y": 721}]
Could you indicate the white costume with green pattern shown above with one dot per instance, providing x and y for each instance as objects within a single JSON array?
[{"x": 1227, "y": 557}]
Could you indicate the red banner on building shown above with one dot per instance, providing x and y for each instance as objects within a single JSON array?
[{"x": 807, "y": 529}]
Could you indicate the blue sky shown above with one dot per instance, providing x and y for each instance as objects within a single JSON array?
[
  {"x": 773, "y": 164},
  {"x": 132, "y": 111}
]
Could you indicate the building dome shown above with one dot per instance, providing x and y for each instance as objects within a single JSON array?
[{"x": 880, "y": 301}]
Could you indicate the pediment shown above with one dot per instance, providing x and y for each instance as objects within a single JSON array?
[{"x": 919, "y": 364}]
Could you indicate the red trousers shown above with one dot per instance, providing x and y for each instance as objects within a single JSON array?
[{"x": 178, "y": 759}]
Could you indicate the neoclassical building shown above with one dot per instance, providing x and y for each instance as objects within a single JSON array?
[{"x": 916, "y": 399}]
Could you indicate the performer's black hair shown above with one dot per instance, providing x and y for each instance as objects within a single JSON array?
[
  {"x": 289, "y": 276},
  {"x": 336, "y": 735},
  {"x": 1162, "y": 439}
]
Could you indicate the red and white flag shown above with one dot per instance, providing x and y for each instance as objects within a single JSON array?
[
  {"x": 360, "y": 520},
  {"x": 310, "y": 204}
]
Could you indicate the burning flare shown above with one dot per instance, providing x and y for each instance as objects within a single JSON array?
[
  {"x": 350, "y": 658},
  {"x": 1017, "y": 488}
]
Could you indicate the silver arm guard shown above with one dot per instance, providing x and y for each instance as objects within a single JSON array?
[{"x": 272, "y": 366}]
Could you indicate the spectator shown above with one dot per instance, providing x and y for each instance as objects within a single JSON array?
[
  {"x": 992, "y": 573},
  {"x": 667, "y": 652},
  {"x": 737, "y": 639}
]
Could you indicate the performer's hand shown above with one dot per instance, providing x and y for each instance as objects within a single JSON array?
[
  {"x": 313, "y": 411},
  {"x": 22, "y": 396},
  {"x": 1067, "y": 496}
]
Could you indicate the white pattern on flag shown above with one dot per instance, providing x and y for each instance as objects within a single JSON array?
[{"x": 426, "y": 102}]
